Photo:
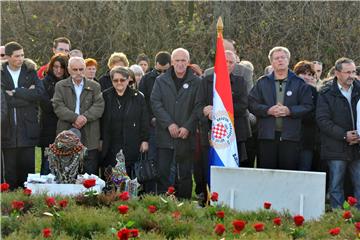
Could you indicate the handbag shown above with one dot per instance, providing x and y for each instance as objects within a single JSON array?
[{"x": 145, "y": 168}]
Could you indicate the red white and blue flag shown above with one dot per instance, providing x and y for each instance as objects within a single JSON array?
[{"x": 223, "y": 150}]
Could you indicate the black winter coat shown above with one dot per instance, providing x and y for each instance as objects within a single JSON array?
[
  {"x": 335, "y": 118},
  {"x": 172, "y": 106},
  {"x": 25, "y": 133},
  {"x": 48, "y": 118},
  {"x": 146, "y": 86},
  {"x": 310, "y": 132},
  {"x": 240, "y": 103},
  {"x": 135, "y": 127},
  {"x": 105, "y": 81},
  {"x": 297, "y": 98}
]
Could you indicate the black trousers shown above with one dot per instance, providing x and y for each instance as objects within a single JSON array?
[
  {"x": 16, "y": 164},
  {"x": 183, "y": 178},
  {"x": 91, "y": 162},
  {"x": 278, "y": 154}
]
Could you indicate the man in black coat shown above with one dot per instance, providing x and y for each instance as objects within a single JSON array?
[
  {"x": 279, "y": 101},
  {"x": 240, "y": 103},
  {"x": 20, "y": 129},
  {"x": 174, "y": 107},
  {"x": 336, "y": 118},
  {"x": 162, "y": 63}
]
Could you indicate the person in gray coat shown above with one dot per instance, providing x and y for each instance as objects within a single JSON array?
[
  {"x": 174, "y": 106},
  {"x": 78, "y": 103}
]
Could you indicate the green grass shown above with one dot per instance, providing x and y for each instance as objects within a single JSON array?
[
  {"x": 37, "y": 159},
  {"x": 97, "y": 217}
]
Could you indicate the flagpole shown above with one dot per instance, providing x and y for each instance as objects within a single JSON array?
[
  {"x": 219, "y": 26},
  {"x": 219, "y": 29}
]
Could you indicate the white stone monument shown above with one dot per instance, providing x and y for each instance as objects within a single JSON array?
[{"x": 246, "y": 189}]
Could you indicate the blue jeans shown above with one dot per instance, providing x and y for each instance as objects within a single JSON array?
[{"x": 337, "y": 171}]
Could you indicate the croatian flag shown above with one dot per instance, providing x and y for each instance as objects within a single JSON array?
[{"x": 223, "y": 150}]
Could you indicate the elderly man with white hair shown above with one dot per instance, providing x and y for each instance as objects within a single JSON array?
[
  {"x": 174, "y": 107},
  {"x": 78, "y": 103}
]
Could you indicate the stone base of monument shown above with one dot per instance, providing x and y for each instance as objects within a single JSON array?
[
  {"x": 52, "y": 189},
  {"x": 246, "y": 189},
  {"x": 45, "y": 184}
]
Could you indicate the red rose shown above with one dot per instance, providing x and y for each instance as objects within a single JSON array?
[
  {"x": 50, "y": 201},
  {"x": 123, "y": 209},
  {"x": 46, "y": 232},
  {"x": 214, "y": 196},
  {"x": 4, "y": 187},
  {"x": 334, "y": 231},
  {"x": 123, "y": 234},
  {"x": 298, "y": 220},
  {"x": 124, "y": 196},
  {"x": 347, "y": 215},
  {"x": 18, "y": 205},
  {"x": 259, "y": 227},
  {"x": 152, "y": 208},
  {"x": 239, "y": 225},
  {"x": 63, "y": 203},
  {"x": 170, "y": 190},
  {"x": 134, "y": 233},
  {"x": 220, "y": 214},
  {"x": 219, "y": 229},
  {"x": 88, "y": 183},
  {"x": 267, "y": 205},
  {"x": 357, "y": 226},
  {"x": 27, "y": 191},
  {"x": 176, "y": 214},
  {"x": 277, "y": 221},
  {"x": 352, "y": 201}
]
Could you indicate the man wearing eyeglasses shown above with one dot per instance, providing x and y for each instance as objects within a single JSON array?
[
  {"x": 336, "y": 118},
  {"x": 60, "y": 45},
  {"x": 78, "y": 103},
  {"x": 19, "y": 127},
  {"x": 279, "y": 101}
]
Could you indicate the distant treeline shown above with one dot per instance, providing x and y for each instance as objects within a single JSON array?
[{"x": 314, "y": 30}]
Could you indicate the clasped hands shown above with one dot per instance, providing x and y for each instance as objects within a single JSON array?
[
  {"x": 279, "y": 110},
  {"x": 177, "y": 132},
  {"x": 80, "y": 121}
]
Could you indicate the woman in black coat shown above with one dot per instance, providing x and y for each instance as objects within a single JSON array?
[
  {"x": 57, "y": 70},
  {"x": 124, "y": 124}
]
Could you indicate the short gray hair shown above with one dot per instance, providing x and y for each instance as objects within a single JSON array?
[
  {"x": 74, "y": 59},
  {"x": 137, "y": 69},
  {"x": 181, "y": 50},
  {"x": 121, "y": 70},
  {"x": 340, "y": 61},
  {"x": 278, "y": 49}
]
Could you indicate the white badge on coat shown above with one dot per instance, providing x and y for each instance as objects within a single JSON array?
[
  {"x": 186, "y": 86},
  {"x": 288, "y": 93}
]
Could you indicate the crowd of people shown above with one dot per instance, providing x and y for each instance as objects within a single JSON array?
[{"x": 286, "y": 119}]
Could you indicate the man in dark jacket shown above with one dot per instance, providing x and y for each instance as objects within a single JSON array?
[
  {"x": 279, "y": 101},
  {"x": 162, "y": 63},
  {"x": 240, "y": 103},
  {"x": 174, "y": 107},
  {"x": 20, "y": 128},
  {"x": 336, "y": 118}
]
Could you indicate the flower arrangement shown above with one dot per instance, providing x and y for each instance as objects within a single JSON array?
[{"x": 161, "y": 217}]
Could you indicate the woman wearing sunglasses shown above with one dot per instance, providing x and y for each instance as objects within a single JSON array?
[{"x": 124, "y": 124}]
